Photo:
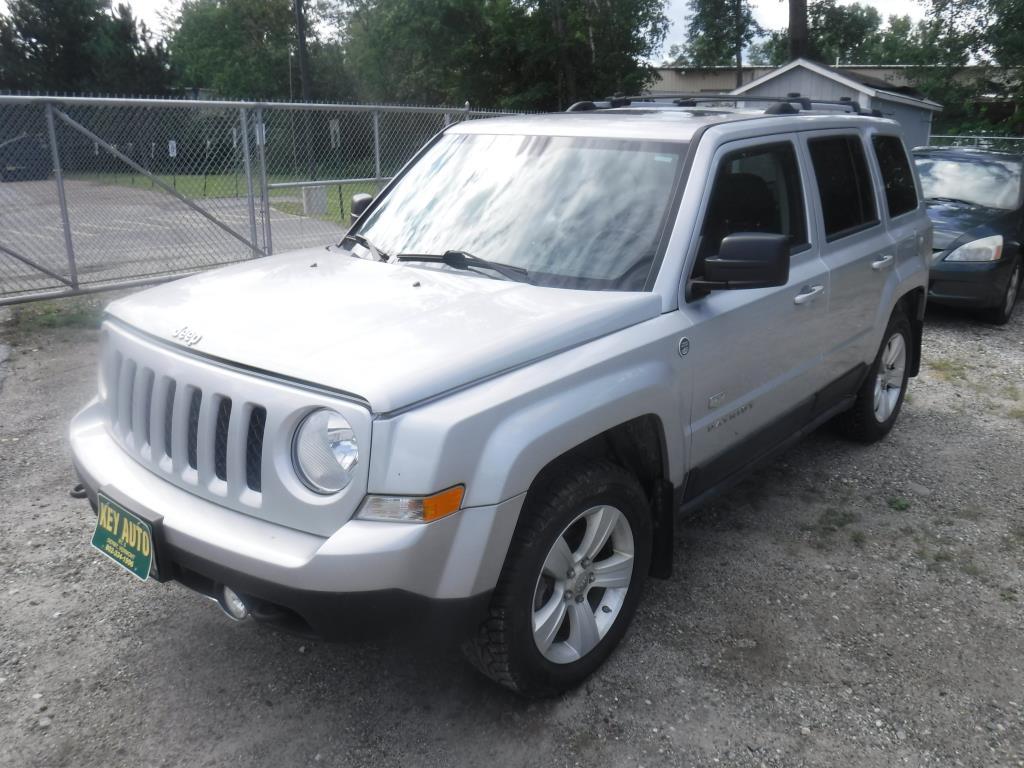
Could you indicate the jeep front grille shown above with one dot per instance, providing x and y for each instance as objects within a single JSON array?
[
  {"x": 219, "y": 432},
  {"x": 185, "y": 430}
]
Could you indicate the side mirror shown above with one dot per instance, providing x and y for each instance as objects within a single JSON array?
[
  {"x": 360, "y": 202},
  {"x": 746, "y": 260}
]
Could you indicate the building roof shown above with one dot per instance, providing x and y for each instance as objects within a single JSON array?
[{"x": 872, "y": 87}]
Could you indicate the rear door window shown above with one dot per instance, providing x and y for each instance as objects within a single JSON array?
[
  {"x": 900, "y": 192},
  {"x": 844, "y": 184}
]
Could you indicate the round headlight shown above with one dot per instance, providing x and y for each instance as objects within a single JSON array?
[{"x": 325, "y": 451}]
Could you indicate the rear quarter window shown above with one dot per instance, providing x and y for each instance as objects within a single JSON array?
[
  {"x": 844, "y": 184},
  {"x": 900, "y": 192}
]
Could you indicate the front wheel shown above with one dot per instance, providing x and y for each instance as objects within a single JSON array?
[
  {"x": 1001, "y": 314},
  {"x": 880, "y": 397},
  {"x": 571, "y": 582}
]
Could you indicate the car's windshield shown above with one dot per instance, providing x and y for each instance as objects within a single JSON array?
[
  {"x": 988, "y": 181},
  {"x": 574, "y": 212}
]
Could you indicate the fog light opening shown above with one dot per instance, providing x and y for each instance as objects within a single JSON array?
[{"x": 232, "y": 604}]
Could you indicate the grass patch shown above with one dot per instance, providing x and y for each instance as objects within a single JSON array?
[
  {"x": 1008, "y": 594},
  {"x": 72, "y": 312},
  {"x": 948, "y": 369},
  {"x": 970, "y": 568},
  {"x": 232, "y": 185},
  {"x": 1017, "y": 413},
  {"x": 858, "y": 538},
  {"x": 1012, "y": 392},
  {"x": 898, "y": 503},
  {"x": 968, "y": 513}
]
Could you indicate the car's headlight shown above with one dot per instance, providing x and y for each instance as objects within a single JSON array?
[
  {"x": 412, "y": 509},
  {"x": 986, "y": 249},
  {"x": 324, "y": 451}
]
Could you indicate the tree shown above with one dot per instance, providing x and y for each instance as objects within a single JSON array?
[
  {"x": 79, "y": 46},
  {"x": 843, "y": 34},
  {"x": 539, "y": 54},
  {"x": 239, "y": 48},
  {"x": 717, "y": 33}
]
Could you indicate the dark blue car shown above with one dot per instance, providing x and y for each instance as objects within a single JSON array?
[{"x": 975, "y": 202}]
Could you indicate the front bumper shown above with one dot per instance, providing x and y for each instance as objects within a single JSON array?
[
  {"x": 366, "y": 573},
  {"x": 969, "y": 284}
]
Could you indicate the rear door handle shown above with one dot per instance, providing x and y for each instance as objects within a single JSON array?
[
  {"x": 807, "y": 293},
  {"x": 882, "y": 262}
]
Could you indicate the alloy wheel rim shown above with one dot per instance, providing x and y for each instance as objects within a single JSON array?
[
  {"x": 889, "y": 380},
  {"x": 1012, "y": 288},
  {"x": 583, "y": 583}
]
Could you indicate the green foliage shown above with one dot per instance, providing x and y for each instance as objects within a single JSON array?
[
  {"x": 81, "y": 46},
  {"x": 856, "y": 34},
  {"x": 540, "y": 54},
  {"x": 717, "y": 31},
  {"x": 239, "y": 48}
]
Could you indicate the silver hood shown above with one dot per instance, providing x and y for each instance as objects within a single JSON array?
[{"x": 390, "y": 334}]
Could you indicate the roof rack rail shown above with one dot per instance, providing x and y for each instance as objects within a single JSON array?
[
  {"x": 780, "y": 105},
  {"x": 610, "y": 102}
]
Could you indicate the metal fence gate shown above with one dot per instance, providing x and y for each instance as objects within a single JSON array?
[{"x": 97, "y": 193}]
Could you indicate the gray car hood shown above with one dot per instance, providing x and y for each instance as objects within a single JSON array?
[{"x": 390, "y": 334}]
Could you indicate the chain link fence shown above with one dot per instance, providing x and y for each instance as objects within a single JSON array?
[
  {"x": 98, "y": 193},
  {"x": 979, "y": 141}
]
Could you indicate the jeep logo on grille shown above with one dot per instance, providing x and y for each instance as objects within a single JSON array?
[{"x": 186, "y": 336}]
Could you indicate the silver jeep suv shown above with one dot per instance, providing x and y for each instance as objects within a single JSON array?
[{"x": 483, "y": 410}]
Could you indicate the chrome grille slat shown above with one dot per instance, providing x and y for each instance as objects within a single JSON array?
[
  {"x": 179, "y": 431},
  {"x": 125, "y": 389},
  {"x": 206, "y": 427},
  {"x": 237, "y": 450},
  {"x": 140, "y": 408},
  {"x": 158, "y": 410}
]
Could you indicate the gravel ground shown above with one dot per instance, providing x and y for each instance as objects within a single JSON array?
[{"x": 846, "y": 606}]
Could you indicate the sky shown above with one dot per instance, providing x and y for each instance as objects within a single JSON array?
[{"x": 771, "y": 14}]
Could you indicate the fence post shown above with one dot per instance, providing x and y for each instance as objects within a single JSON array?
[
  {"x": 247, "y": 164},
  {"x": 59, "y": 176},
  {"x": 376, "y": 144},
  {"x": 261, "y": 142}
]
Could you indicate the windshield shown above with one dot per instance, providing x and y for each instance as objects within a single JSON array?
[
  {"x": 574, "y": 212},
  {"x": 988, "y": 181}
]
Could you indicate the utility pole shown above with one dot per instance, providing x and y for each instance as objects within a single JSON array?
[
  {"x": 798, "y": 44},
  {"x": 738, "y": 13},
  {"x": 303, "y": 51}
]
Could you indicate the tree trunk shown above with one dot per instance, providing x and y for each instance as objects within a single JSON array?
[{"x": 798, "y": 44}]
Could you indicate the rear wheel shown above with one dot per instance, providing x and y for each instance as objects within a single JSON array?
[
  {"x": 1001, "y": 314},
  {"x": 571, "y": 582},
  {"x": 880, "y": 397}
]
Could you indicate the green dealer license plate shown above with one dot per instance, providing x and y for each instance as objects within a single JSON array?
[{"x": 124, "y": 537}]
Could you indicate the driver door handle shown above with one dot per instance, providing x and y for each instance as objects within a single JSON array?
[
  {"x": 807, "y": 293},
  {"x": 882, "y": 262}
]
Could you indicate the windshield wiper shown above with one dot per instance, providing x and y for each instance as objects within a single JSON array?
[
  {"x": 466, "y": 260},
  {"x": 952, "y": 200},
  {"x": 376, "y": 252}
]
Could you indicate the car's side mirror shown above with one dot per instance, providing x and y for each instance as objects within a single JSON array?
[
  {"x": 746, "y": 260},
  {"x": 360, "y": 202}
]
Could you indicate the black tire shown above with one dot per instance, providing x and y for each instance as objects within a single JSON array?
[
  {"x": 1001, "y": 314},
  {"x": 861, "y": 423},
  {"x": 504, "y": 648}
]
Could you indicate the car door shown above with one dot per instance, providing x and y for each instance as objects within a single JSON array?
[
  {"x": 854, "y": 244},
  {"x": 908, "y": 230},
  {"x": 753, "y": 354}
]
